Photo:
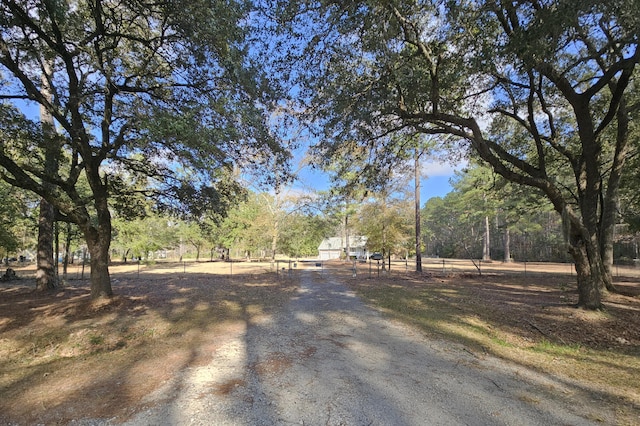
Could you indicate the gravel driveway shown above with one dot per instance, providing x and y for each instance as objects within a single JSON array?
[{"x": 328, "y": 359}]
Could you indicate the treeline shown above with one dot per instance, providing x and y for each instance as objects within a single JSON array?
[
  {"x": 261, "y": 226},
  {"x": 486, "y": 217},
  {"x": 483, "y": 217},
  {"x": 258, "y": 226}
]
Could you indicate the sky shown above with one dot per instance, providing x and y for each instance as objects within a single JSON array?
[{"x": 435, "y": 181}]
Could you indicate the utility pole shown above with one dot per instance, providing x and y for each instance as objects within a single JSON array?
[{"x": 417, "y": 206}]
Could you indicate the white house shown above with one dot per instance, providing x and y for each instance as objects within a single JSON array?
[{"x": 333, "y": 247}]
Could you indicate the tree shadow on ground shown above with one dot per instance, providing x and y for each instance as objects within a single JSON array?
[
  {"x": 66, "y": 357},
  {"x": 516, "y": 317}
]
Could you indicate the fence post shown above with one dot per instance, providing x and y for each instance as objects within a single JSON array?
[{"x": 84, "y": 261}]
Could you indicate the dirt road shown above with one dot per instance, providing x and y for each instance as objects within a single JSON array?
[{"x": 328, "y": 359}]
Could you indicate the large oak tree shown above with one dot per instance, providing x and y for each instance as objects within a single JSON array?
[
  {"x": 161, "y": 89},
  {"x": 542, "y": 90}
]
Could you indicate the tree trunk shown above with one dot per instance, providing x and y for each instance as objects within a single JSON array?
[
  {"x": 384, "y": 248},
  {"x": 589, "y": 295},
  {"x": 507, "y": 244},
  {"x": 486, "y": 248},
  {"x": 98, "y": 240},
  {"x": 610, "y": 205},
  {"x": 67, "y": 252},
  {"x": 346, "y": 236},
  {"x": 417, "y": 214},
  {"x": 274, "y": 237},
  {"x": 585, "y": 238},
  {"x": 100, "y": 278},
  {"x": 45, "y": 273},
  {"x": 607, "y": 257},
  {"x": 589, "y": 270}
]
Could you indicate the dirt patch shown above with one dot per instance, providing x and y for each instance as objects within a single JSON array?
[
  {"x": 276, "y": 363},
  {"x": 227, "y": 387}
]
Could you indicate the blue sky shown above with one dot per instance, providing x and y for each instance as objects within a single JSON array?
[{"x": 435, "y": 181}]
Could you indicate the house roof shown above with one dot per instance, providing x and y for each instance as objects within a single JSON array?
[{"x": 336, "y": 243}]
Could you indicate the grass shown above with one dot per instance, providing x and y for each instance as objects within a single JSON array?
[
  {"x": 483, "y": 323},
  {"x": 53, "y": 344},
  {"x": 546, "y": 347}
]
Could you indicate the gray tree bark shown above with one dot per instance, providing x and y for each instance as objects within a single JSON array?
[{"x": 45, "y": 273}]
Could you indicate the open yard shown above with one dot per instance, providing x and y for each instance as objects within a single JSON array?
[{"x": 63, "y": 357}]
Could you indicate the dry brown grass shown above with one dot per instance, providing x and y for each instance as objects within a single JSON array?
[
  {"x": 63, "y": 357},
  {"x": 530, "y": 320}
]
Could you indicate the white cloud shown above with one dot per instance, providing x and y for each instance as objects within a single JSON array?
[{"x": 437, "y": 168}]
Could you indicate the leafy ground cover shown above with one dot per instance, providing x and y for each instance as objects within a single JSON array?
[
  {"x": 527, "y": 319},
  {"x": 63, "y": 357}
]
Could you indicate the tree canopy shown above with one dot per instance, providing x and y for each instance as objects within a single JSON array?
[
  {"x": 165, "y": 93},
  {"x": 543, "y": 91}
]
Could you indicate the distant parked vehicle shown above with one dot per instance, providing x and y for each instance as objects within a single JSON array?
[{"x": 376, "y": 256}]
